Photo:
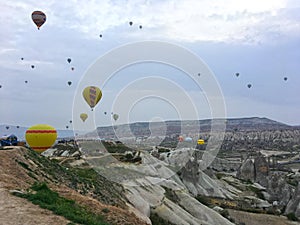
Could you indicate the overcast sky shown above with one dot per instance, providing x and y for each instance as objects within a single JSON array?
[{"x": 258, "y": 39}]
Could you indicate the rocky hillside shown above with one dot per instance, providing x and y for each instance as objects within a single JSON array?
[
  {"x": 173, "y": 187},
  {"x": 169, "y": 188},
  {"x": 21, "y": 168}
]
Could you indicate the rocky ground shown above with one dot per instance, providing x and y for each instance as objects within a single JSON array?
[{"x": 253, "y": 176}]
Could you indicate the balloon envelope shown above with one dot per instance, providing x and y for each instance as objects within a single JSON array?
[
  {"x": 200, "y": 142},
  {"x": 188, "y": 139},
  {"x": 92, "y": 95},
  {"x": 249, "y": 85},
  {"x": 180, "y": 139},
  {"x": 116, "y": 116},
  {"x": 83, "y": 116},
  {"x": 40, "y": 137},
  {"x": 69, "y": 60},
  {"x": 39, "y": 18}
]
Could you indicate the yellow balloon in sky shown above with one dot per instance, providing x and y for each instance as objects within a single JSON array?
[
  {"x": 92, "y": 95},
  {"x": 40, "y": 137},
  {"x": 83, "y": 116}
]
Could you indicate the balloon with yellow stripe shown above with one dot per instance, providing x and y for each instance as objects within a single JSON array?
[
  {"x": 92, "y": 95},
  {"x": 40, "y": 137},
  {"x": 200, "y": 142}
]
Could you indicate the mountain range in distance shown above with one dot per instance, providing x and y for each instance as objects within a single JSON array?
[{"x": 172, "y": 127}]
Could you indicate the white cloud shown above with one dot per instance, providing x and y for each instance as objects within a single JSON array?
[{"x": 191, "y": 20}]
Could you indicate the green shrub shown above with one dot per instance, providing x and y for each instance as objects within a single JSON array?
[
  {"x": 292, "y": 216},
  {"x": 204, "y": 200},
  {"x": 157, "y": 220},
  {"x": 105, "y": 210}
]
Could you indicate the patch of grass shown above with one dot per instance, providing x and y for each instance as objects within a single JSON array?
[
  {"x": 171, "y": 195},
  {"x": 24, "y": 165},
  {"x": 85, "y": 180},
  {"x": 258, "y": 192},
  {"x": 162, "y": 149},
  {"x": 116, "y": 148},
  {"x": 105, "y": 210},
  {"x": 292, "y": 182},
  {"x": 220, "y": 175},
  {"x": 225, "y": 214},
  {"x": 292, "y": 217},
  {"x": 204, "y": 200},
  {"x": 32, "y": 175},
  {"x": 48, "y": 199},
  {"x": 157, "y": 220}
]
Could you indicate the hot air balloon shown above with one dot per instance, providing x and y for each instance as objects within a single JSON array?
[
  {"x": 83, "y": 116},
  {"x": 140, "y": 27},
  {"x": 237, "y": 74},
  {"x": 69, "y": 83},
  {"x": 92, "y": 95},
  {"x": 130, "y": 23},
  {"x": 188, "y": 139},
  {"x": 67, "y": 127},
  {"x": 26, "y": 81},
  {"x": 249, "y": 85},
  {"x": 70, "y": 121},
  {"x": 285, "y": 78},
  {"x": 72, "y": 68},
  {"x": 40, "y": 137},
  {"x": 116, "y": 117},
  {"x": 22, "y": 58},
  {"x": 105, "y": 113},
  {"x": 32, "y": 66},
  {"x": 69, "y": 60},
  {"x": 200, "y": 142},
  {"x": 0, "y": 86},
  {"x": 100, "y": 35},
  {"x": 39, "y": 18},
  {"x": 199, "y": 74},
  {"x": 18, "y": 126},
  {"x": 7, "y": 127}
]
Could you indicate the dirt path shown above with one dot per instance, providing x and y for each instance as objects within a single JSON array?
[{"x": 18, "y": 211}]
